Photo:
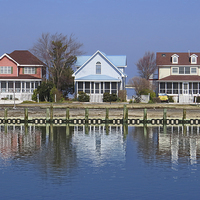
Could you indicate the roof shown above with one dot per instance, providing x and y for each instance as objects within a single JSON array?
[
  {"x": 163, "y": 58},
  {"x": 24, "y": 57},
  {"x": 97, "y": 77},
  {"x": 177, "y": 78},
  {"x": 21, "y": 76},
  {"x": 117, "y": 60}
]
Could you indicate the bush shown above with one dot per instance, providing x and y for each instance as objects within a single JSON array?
[
  {"x": 131, "y": 101},
  {"x": 106, "y": 97},
  {"x": 83, "y": 97},
  {"x": 59, "y": 97},
  {"x": 109, "y": 97},
  {"x": 170, "y": 98},
  {"x": 34, "y": 96}
]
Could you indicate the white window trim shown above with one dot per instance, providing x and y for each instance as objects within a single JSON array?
[
  {"x": 29, "y": 70},
  {"x": 5, "y": 70},
  {"x": 177, "y": 70},
  {"x": 173, "y": 57},
  {"x": 191, "y": 70},
  {"x": 195, "y": 57}
]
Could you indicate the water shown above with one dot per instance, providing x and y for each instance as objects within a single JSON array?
[{"x": 97, "y": 162}]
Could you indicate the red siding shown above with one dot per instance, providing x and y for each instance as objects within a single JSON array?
[{"x": 7, "y": 62}]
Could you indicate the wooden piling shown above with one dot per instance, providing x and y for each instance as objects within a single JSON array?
[
  {"x": 145, "y": 116},
  {"x": 184, "y": 115},
  {"x": 86, "y": 115},
  {"x": 47, "y": 115},
  {"x": 51, "y": 113},
  {"x": 164, "y": 116},
  {"x": 5, "y": 114},
  {"x": 107, "y": 115},
  {"x": 67, "y": 115},
  {"x": 26, "y": 115},
  {"x": 125, "y": 114}
]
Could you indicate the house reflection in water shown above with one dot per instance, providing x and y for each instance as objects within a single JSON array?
[
  {"x": 14, "y": 141},
  {"x": 181, "y": 142},
  {"x": 168, "y": 144}
]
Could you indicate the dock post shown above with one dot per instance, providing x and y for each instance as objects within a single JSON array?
[
  {"x": 67, "y": 115},
  {"x": 184, "y": 115},
  {"x": 164, "y": 116},
  {"x": 26, "y": 115},
  {"x": 145, "y": 116},
  {"x": 86, "y": 115},
  {"x": 107, "y": 115},
  {"x": 125, "y": 114},
  {"x": 5, "y": 114},
  {"x": 51, "y": 113},
  {"x": 47, "y": 115}
]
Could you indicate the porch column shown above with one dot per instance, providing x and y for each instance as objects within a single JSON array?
[
  {"x": 159, "y": 87},
  {"x": 165, "y": 87},
  {"x": 83, "y": 86},
  {"x": 20, "y": 86},
  {"x": 103, "y": 87},
  {"x": 34, "y": 85},
  {"x": 94, "y": 88},
  {"x": 14, "y": 86},
  {"x": 117, "y": 88},
  {"x": 30, "y": 86},
  {"x": 110, "y": 88},
  {"x": 0, "y": 86},
  {"x": 6, "y": 86},
  {"x": 90, "y": 87},
  {"x": 172, "y": 88}
]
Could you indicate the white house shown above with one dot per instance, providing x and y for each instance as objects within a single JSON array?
[
  {"x": 100, "y": 73},
  {"x": 179, "y": 75}
]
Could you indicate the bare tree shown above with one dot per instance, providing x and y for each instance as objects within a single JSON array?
[
  {"x": 146, "y": 65},
  {"x": 139, "y": 84},
  {"x": 58, "y": 52}
]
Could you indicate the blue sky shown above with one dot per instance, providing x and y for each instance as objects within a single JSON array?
[{"x": 116, "y": 27}]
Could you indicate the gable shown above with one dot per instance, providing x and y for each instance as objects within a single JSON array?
[{"x": 89, "y": 67}]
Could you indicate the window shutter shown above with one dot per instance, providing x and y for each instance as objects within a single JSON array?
[{"x": 11, "y": 70}]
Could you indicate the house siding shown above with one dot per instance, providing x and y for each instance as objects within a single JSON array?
[{"x": 7, "y": 62}]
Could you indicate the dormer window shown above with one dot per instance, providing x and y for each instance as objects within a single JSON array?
[
  {"x": 175, "y": 59},
  {"x": 193, "y": 58}
]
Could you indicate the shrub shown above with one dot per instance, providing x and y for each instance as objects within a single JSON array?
[
  {"x": 109, "y": 97},
  {"x": 170, "y": 98},
  {"x": 59, "y": 97},
  {"x": 83, "y": 97},
  {"x": 131, "y": 101},
  {"x": 106, "y": 97},
  {"x": 34, "y": 96}
]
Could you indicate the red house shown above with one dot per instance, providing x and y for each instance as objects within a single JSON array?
[{"x": 20, "y": 73}]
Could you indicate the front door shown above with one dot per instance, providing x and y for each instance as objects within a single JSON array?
[
  {"x": 97, "y": 89},
  {"x": 185, "y": 88}
]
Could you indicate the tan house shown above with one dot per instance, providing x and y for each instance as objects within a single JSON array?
[{"x": 179, "y": 75}]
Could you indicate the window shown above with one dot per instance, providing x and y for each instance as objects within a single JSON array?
[
  {"x": 187, "y": 70},
  {"x": 175, "y": 70},
  {"x": 175, "y": 59},
  {"x": 6, "y": 70},
  {"x": 193, "y": 70},
  {"x": 29, "y": 70},
  {"x": 193, "y": 58},
  {"x": 98, "y": 68},
  {"x": 181, "y": 70}
]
